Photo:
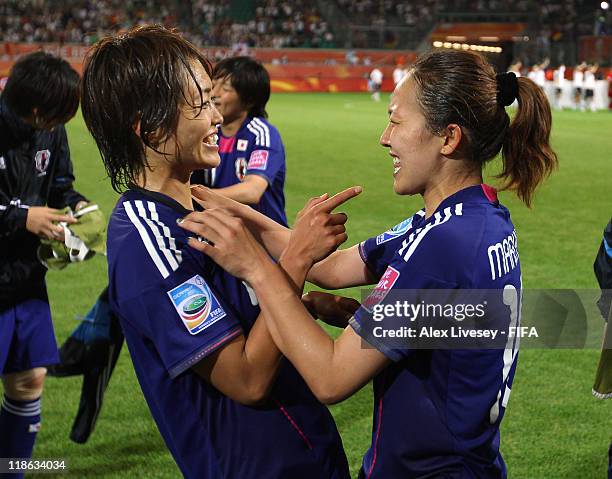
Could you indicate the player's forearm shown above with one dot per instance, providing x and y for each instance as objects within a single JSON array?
[
  {"x": 322, "y": 273},
  {"x": 341, "y": 269},
  {"x": 273, "y": 236},
  {"x": 260, "y": 351},
  {"x": 12, "y": 219},
  {"x": 261, "y": 358},
  {"x": 295, "y": 333},
  {"x": 241, "y": 192}
]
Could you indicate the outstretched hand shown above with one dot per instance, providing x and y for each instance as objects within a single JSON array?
[
  {"x": 209, "y": 199},
  {"x": 227, "y": 241},
  {"x": 317, "y": 231}
]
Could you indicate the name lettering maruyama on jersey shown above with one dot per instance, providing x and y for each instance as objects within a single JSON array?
[{"x": 504, "y": 255}]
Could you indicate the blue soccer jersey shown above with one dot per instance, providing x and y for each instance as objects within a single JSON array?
[
  {"x": 256, "y": 149},
  {"x": 176, "y": 307},
  {"x": 437, "y": 411}
]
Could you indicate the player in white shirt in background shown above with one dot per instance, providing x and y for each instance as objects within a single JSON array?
[
  {"x": 559, "y": 79},
  {"x": 376, "y": 79},
  {"x": 589, "y": 87},
  {"x": 578, "y": 80},
  {"x": 541, "y": 76},
  {"x": 398, "y": 73},
  {"x": 533, "y": 73}
]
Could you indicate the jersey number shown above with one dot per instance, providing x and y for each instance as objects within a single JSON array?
[{"x": 512, "y": 299}]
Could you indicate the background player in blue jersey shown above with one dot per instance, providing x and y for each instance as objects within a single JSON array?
[
  {"x": 224, "y": 400},
  {"x": 437, "y": 411},
  {"x": 252, "y": 168},
  {"x": 42, "y": 93}
]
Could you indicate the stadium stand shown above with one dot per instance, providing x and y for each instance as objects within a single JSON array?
[
  {"x": 327, "y": 45},
  {"x": 554, "y": 26}
]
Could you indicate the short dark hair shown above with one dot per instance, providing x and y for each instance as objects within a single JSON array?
[
  {"x": 455, "y": 86},
  {"x": 140, "y": 76},
  {"x": 250, "y": 80},
  {"x": 43, "y": 82}
]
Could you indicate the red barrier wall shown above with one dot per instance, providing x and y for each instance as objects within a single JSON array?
[
  {"x": 324, "y": 78},
  {"x": 291, "y": 70}
]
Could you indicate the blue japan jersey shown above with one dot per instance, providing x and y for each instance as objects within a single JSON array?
[
  {"x": 256, "y": 149},
  {"x": 438, "y": 411},
  {"x": 176, "y": 307}
]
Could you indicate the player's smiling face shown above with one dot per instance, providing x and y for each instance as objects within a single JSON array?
[
  {"x": 196, "y": 132},
  {"x": 227, "y": 100},
  {"x": 414, "y": 150}
]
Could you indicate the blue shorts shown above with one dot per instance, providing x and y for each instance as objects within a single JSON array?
[{"x": 27, "y": 339}]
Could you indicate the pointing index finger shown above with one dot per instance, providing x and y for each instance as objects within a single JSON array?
[{"x": 339, "y": 198}]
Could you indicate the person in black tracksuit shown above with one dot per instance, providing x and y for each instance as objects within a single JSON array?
[
  {"x": 41, "y": 94},
  {"x": 603, "y": 273}
]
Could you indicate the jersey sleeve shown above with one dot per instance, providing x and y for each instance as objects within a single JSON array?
[
  {"x": 185, "y": 324},
  {"x": 12, "y": 217},
  {"x": 429, "y": 285},
  {"x": 378, "y": 251},
  {"x": 267, "y": 154},
  {"x": 62, "y": 192},
  {"x": 395, "y": 283},
  {"x": 180, "y": 314},
  {"x": 603, "y": 272}
]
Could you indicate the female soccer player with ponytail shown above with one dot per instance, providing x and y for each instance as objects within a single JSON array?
[{"x": 437, "y": 412}]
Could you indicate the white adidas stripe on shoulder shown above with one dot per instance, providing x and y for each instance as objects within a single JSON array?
[
  {"x": 255, "y": 132},
  {"x": 265, "y": 129},
  {"x": 417, "y": 236},
  {"x": 144, "y": 230},
  {"x": 166, "y": 231},
  {"x": 261, "y": 132},
  {"x": 160, "y": 237}
]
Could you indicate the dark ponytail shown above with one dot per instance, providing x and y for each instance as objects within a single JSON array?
[
  {"x": 527, "y": 156},
  {"x": 461, "y": 87}
]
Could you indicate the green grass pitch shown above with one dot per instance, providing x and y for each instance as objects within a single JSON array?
[{"x": 553, "y": 428}]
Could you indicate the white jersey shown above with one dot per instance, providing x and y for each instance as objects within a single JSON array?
[
  {"x": 559, "y": 77},
  {"x": 589, "y": 80},
  {"x": 578, "y": 78},
  {"x": 532, "y": 75},
  {"x": 398, "y": 74},
  {"x": 541, "y": 78},
  {"x": 376, "y": 76}
]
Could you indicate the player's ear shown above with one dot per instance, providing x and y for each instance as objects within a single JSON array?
[{"x": 452, "y": 139}]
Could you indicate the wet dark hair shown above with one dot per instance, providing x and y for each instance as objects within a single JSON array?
[
  {"x": 141, "y": 75},
  {"x": 460, "y": 87},
  {"x": 250, "y": 80},
  {"x": 43, "y": 82}
]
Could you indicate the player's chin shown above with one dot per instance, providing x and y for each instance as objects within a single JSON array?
[
  {"x": 402, "y": 187},
  {"x": 211, "y": 159}
]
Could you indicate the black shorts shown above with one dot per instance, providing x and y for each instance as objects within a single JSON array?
[
  {"x": 557, "y": 91},
  {"x": 589, "y": 93},
  {"x": 577, "y": 91}
]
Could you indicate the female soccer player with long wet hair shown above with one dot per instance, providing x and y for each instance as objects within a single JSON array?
[
  {"x": 437, "y": 412},
  {"x": 225, "y": 402}
]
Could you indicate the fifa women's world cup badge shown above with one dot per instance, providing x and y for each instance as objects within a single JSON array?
[{"x": 196, "y": 304}]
